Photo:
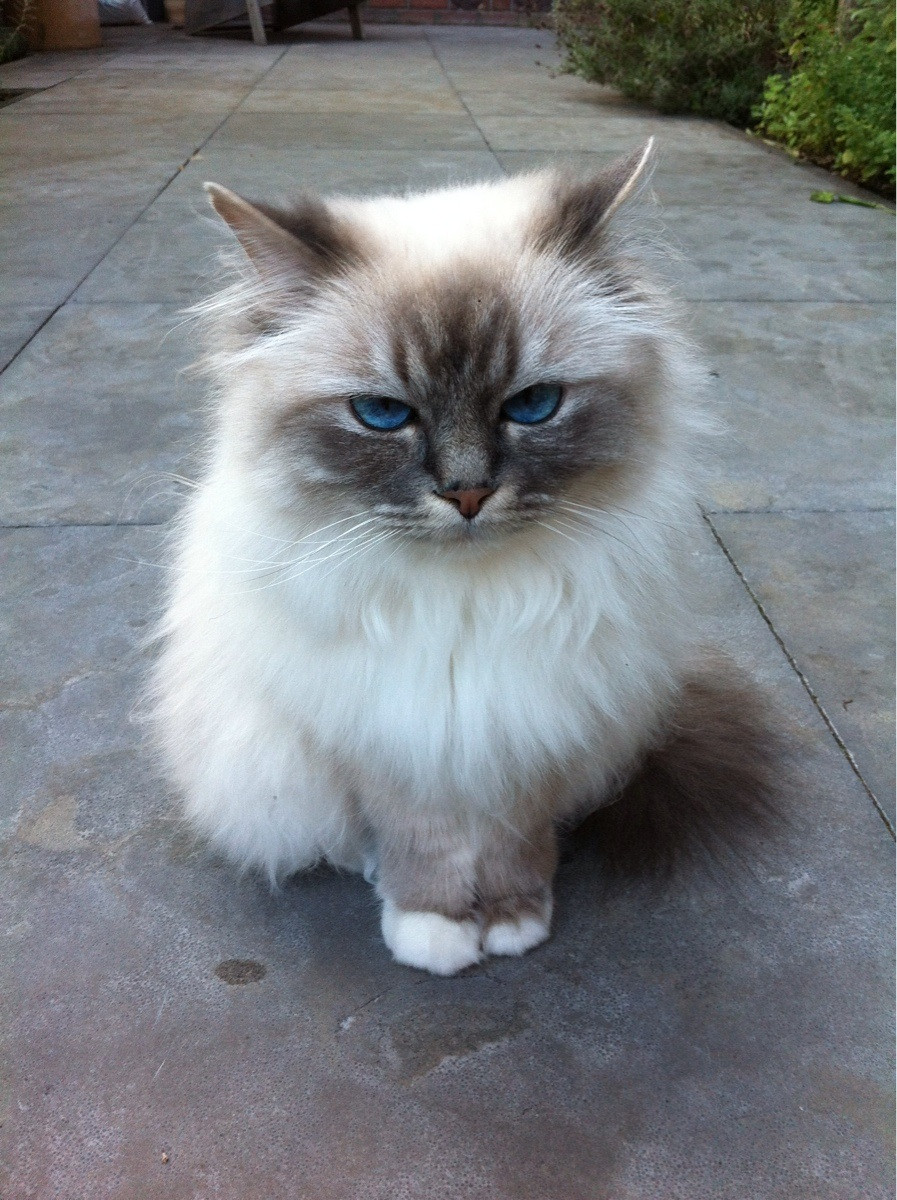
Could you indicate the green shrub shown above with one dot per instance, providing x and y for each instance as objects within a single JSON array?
[
  {"x": 702, "y": 56},
  {"x": 837, "y": 105}
]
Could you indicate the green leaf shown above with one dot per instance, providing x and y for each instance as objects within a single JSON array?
[
  {"x": 823, "y": 197},
  {"x": 861, "y": 203}
]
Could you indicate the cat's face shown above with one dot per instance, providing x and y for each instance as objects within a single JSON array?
[{"x": 455, "y": 372}]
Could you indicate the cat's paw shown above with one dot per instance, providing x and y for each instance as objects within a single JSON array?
[
  {"x": 518, "y": 934},
  {"x": 429, "y": 940}
]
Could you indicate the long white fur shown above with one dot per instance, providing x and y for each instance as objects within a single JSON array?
[{"x": 420, "y": 674}]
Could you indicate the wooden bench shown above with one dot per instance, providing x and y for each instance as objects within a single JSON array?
[{"x": 200, "y": 15}]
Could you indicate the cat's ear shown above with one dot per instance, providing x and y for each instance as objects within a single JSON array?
[
  {"x": 580, "y": 209},
  {"x": 289, "y": 248}
]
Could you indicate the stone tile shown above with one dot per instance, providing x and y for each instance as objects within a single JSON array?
[
  {"x": 94, "y": 446},
  {"x": 805, "y": 393},
  {"x": 613, "y": 132},
  {"x": 284, "y": 172},
  {"x": 826, "y": 580},
  {"x": 734, "y": 255},
  {"x": 343, "y": 72},
  {"x": 51, "y": 67},
  {"x": 161, "y": 47},
  {"x": 77, "y": 602},
  {"x": 17, "y": 325},
  {"x": 778, "y": 245},
  {"x": 387, "y": 100},
  {"x": 74, "y": 191},
  {"x": 543, "y": 94},
  {"x": 117, "y": 93},
  {"x": 47, "y": 248},
  {"x": 171, "y": 254},
  {"x": 69, "y": 144},
  {"x": 726, "y": 1042},
  {"x": 501, "y": 49},
  {"x": 394, "y": 131}
]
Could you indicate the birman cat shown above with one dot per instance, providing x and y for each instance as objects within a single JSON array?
[{"x": 433, "y": 598}]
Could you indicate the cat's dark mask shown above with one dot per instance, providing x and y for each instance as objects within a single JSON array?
[{"x": 456, "y": 368}]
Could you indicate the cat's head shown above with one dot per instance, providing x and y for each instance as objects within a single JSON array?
[{"x": 454, "y": 364}]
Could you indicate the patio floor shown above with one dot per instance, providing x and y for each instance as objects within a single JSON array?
[{"x": 725, "y": 1042}]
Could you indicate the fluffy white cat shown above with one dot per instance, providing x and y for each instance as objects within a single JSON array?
[{"x": 431, "y": 598}]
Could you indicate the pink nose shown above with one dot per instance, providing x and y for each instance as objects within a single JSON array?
[{"x": 469, "y": 500}]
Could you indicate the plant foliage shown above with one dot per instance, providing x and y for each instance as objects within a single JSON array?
[
  {"x": 703, "y": 56},
  {"x": 818, "y": 75},
  {"x": 836, "y": 106}
]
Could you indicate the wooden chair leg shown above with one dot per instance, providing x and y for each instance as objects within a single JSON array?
[
  {"x": 256, "y": 23},
  {"x": 355, "y": 21}
]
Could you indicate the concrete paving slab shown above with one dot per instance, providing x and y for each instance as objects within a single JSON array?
[
  {"x": 68, "y": 143},
  {"x": 88, "y": 446},
  {"x": 695, "y": 1043},
  {"x": 70, "y": 194},
  {"x": 545, "y": 94},
  {"x": 826, "y": 581},
  {"x": 144, "y": 47},
  {"x": 263, "y": 170},
  {"x": 395, "y": 131},
  {"x": 746, "y": 229},
  {"x": 805, "y": 392},
  {"x": 614, "y": 132},
  {"x": 48, "y": 248},
  {"x": 344, "y": 72},
  {"x": 171, "y": 254},
  {"x": 385, "y": 99},
  {"x": 17, "y": 325},
  {"x": 115, "y": 93},
  {"x": 51, "y": 67},
  {"x": 696, "y": 178},
  {"x": 733, "y": 255},
  {"x": 461, "y": 48}
]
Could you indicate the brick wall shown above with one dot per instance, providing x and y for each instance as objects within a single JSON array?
[{"x": 457, "y": 12}]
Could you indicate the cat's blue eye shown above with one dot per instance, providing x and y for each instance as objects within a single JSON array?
[
  {"x": 533, "y": 404},
  {"x": 381, "y": 412}
]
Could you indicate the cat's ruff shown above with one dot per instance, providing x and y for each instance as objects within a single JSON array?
[{"x": 352, "y": 669}]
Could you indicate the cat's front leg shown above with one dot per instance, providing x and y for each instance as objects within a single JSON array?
[
  {"x": 514, "y": 880},
  {"x": 427, "y": 882}
]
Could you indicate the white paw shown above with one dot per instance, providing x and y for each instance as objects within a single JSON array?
[
  {"x": 516, "y": 937},
  {"x": 430, "y": 941}
]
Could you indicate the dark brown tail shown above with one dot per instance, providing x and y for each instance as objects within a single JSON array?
[{"x": 713, "y": 786}]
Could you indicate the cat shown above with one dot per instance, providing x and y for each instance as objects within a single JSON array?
[{"x": 432, "y": 599}]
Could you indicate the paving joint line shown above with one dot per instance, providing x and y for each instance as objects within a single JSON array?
[
  {"x": 794, "y": 508},
  {"x": 84, "y": 524},
  {"x": 808, "y": 688},
  {"x": 168, "y": 182},
  {"x": 463, "y": 102},
  {"x": 829, "y": 303}
]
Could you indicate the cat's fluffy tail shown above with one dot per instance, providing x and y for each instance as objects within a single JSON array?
[{"x": 714, "y": 783}]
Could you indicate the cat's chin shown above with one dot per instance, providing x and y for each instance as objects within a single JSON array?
[{"x": 472, "y": 535}]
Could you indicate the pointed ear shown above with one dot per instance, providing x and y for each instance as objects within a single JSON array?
[
  {"x": 291, "y": 247},
  {"x": 579, "y": 209}
]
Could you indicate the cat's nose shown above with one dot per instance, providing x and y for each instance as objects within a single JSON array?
[{"x": 468, "y": 500}]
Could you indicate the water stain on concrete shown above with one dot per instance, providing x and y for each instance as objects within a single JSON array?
[
  {"x": 53, "y": 828},
  {"x": 238, "y": 971},
  {"x": 424, "y": 1038}
]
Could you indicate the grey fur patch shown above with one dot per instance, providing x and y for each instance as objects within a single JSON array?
[
  {"x": 515, "y": 874},
  {"x": 716, "y": 782},
  {"x": 574, "y": 223},
  {"x": 331, "y": 244}
]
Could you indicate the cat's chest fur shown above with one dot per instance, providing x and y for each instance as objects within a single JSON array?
[{"x": 435, "y": 679}]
